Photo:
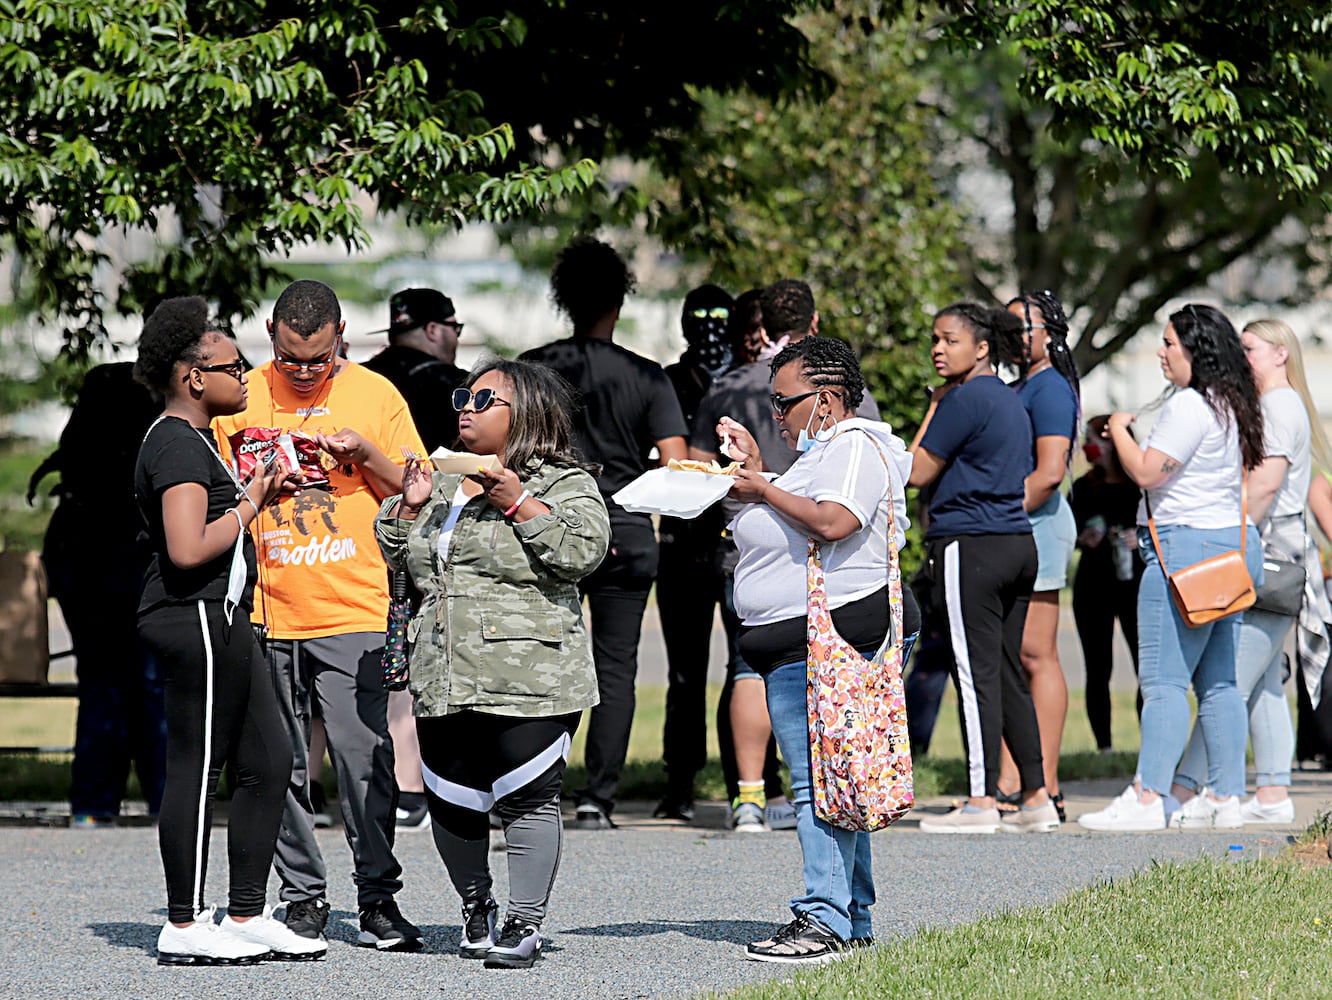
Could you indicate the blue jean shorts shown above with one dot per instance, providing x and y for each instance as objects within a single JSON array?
[{"x": 1055, "y": 533}]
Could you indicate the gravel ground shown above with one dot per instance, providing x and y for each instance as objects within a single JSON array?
[{"x": 649, "y": 910}]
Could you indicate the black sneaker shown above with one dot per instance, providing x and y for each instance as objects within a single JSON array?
[
  {"x": 518, "y": 947},
  {"x": 307, "y": 917},
  {"x": 675, "y": 807},
  {"x": 478, "y": 935},
  {"x": 590, "y": 816},
  {"x": 384, "y": 927},
  {"x": 806, "y": 940}
]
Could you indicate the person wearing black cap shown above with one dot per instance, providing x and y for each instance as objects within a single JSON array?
[
  {"x": 423, "y": 343},
  {"x": 689, "y": 576}
]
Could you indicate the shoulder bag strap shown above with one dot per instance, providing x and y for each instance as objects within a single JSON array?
[{"x": 1244, "y": 517}]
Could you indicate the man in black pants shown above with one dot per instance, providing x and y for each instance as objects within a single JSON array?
[
  {"x": 627, "y": 408},
  {"x": 689, "y": 579}
]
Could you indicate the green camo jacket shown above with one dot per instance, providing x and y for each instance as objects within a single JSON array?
[{"x": 500, "y": 628}]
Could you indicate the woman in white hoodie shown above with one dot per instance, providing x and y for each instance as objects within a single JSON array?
[{"x": 839, "y": 493}]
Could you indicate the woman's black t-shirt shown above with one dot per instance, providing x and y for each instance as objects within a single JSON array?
[{"x": 175, "y": 452}]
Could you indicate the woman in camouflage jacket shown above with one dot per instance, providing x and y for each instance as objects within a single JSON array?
[{"x": 500, "y": 664}]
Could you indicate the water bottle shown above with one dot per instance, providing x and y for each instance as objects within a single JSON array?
[{"x": 1122, "y": 544}]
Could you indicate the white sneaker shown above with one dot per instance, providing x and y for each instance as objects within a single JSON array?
[
  {"x": 963, "y": 819},
  {"x": 781, "y": 816},
  {"x": 1202, "y": 812},
  {"x": 1126, "y": 814},
  {"x": 203, "y": 943},
  {"x": 1042, "y": 819},
  {"x": 1280, "y": 813},
  {"x": 275, "y": 936}
]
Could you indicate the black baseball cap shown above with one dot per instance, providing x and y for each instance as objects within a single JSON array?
[{"x": 415, "y": 307}]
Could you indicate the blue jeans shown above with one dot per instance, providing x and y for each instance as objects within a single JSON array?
[
  {"x": 1258, "y": 669},
  {"x": 1172, "y": 655},
  {"x": 839, "y": 880}
]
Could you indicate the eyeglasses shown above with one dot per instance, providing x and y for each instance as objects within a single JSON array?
[
  {"x": 480, "y": 400},
  {"x": 236, "y": 369},
  {"x": 457, "y": 327},
  {"x": 301, "y": 367},
  {"x": 716, "y": 312},
  {"x": 781, "y": 404}
]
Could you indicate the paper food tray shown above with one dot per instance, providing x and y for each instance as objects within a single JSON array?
[
  {"x": 673, "y": 492},
  {"x": 464, "y": 462}
]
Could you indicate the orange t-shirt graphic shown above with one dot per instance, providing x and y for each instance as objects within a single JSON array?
[{"x": 320, "y": 569}]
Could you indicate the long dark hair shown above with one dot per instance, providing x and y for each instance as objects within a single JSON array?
[
  {"x": 540, "y": 417},
  {"x": 1222, "y": 374},
  {"x": 1056, "y": 346},
  {"x": 997, "y": 327}
]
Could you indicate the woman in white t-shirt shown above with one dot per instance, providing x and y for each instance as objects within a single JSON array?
[
  {"x": 837, "y": 492},
  {"x": 1191, "y": 468},
  {"x": 1278, "y": 490}
]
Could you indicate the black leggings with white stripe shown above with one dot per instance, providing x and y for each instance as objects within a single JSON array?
[
  {"x": 985, "y": 583},
  {"x": 220, "y": 709},
  {"x": 473, "y": 762}
]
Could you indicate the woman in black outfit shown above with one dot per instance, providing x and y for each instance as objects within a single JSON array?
[
  {"x": 194, "y": 615},
  {"x": 1105, "y": 507}
]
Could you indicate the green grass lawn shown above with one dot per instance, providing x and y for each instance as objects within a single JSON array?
[
  {"x": 1205, "y": 929},
  {"x": 50, "y": 722}
]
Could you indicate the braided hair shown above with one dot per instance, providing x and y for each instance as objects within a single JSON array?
[
  {"x": 1056, "y": 346},
  {"x": 825, "y": 362},
  {"x": 997, "y": 327}
]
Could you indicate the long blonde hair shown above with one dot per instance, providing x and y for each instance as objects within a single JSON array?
[{"x": 1279, "y": 334}]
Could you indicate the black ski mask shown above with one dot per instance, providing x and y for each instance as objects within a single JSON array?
[{"x": 707, "y": 313}]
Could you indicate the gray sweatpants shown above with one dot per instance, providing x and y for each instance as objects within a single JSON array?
[{"x": 342, "y": 675}]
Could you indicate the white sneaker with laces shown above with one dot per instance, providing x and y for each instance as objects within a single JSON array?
[
  {"x": 1202, "y": 812},
  {"x": 1126, "y": 814},
  {"x": 275, "y": 936},
  {"x": 1280, "y": 813},
  {"x": 203, "y": 943}
]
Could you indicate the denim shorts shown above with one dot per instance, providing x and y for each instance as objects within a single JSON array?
[{"x": 1055, "y": 533}]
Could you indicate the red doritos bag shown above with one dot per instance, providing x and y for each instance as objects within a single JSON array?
[{"x": 295, "y": 450}]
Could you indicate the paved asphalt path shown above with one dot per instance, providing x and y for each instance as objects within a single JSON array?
[{"x": 648, "y": 910}]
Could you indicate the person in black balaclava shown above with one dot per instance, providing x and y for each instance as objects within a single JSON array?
[{"x": 689, "y": 579}]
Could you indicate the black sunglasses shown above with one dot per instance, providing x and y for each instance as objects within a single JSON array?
[
  {"x": 457, "y": 327},
  {"x": 235, "y": 369},
  {"x": 480, "y": 400},
  {"x": 780, "y": 404}
]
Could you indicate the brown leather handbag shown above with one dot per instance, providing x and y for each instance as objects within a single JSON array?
[{"x": 1215, "y": 587}]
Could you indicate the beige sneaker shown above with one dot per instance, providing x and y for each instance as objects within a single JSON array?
[
  {"x": 1042, "y": 819},
  {"x": 964, "y": 819}
]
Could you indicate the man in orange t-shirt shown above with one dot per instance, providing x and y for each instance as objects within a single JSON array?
[{"x": 323, "y": 600}]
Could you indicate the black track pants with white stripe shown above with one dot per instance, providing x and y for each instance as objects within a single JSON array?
[
  {"x": 220, "y": 709},
  {"x": 985, "y": 582}
]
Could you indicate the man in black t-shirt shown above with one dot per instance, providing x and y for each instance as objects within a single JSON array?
[
  {"x": 423, "y": 343},
  {"x": 627, "y": 408}
]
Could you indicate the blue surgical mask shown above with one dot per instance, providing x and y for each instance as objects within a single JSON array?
[{"x": 804, "y": 441}]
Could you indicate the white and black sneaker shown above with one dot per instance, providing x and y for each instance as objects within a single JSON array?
[
  {"x": 204, "y": 943},
  {"x": 590, "y": 816},
  {"x": 806, "y": 940},
  {"x": 478, "y": 935},
  {"x": 308, "y": 918},
  {"x": 384, "y": 927},
  {"x": 518, "y": 947},
  {"x": 283, "y": 943}
]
